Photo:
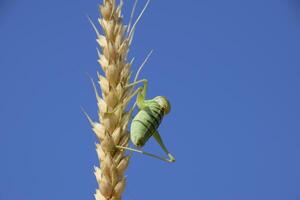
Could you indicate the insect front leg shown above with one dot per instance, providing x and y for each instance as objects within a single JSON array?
[
  {"x": 140, "y": 95},
  {"x": 139, "y": 92},
  {"x": 145, "y": 81},
  {"x": 136, "y": 92}
]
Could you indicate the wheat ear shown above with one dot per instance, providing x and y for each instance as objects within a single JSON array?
[{"x": 113, "y": 117}]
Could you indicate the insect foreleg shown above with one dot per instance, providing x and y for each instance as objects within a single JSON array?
[
  {"x": 146, "y": 153},
  {"x": 145, "y": 81},
  {"x": 139, "y": 90},
  {"x": 140, "y": 95},
  {"x": 161, "y": 144}
]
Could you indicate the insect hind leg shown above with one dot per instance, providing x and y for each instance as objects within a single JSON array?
[
  {"x": 145, "y": 153},
  {"x": 157, "y": 137}
]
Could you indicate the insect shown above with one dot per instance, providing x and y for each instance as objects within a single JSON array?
[{"x": 146, "y": 122}]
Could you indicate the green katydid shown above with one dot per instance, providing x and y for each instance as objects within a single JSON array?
[
  {"x": 151, "y": 112},
  {"x": 147, "y": 120}
]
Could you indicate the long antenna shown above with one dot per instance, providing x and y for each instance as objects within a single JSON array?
[
  {"x": 138, "y": 19},
  {"x": 142, "y": 65},
  {"x": 131, "y": 15}
]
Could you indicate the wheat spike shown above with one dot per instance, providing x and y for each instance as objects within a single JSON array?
[{"x": 111, "y": 130}]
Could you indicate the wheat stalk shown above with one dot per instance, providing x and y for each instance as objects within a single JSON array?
[{"x": 113, "y": 117}]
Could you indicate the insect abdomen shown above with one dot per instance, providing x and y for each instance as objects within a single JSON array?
[{"x": 145, "y": 123}]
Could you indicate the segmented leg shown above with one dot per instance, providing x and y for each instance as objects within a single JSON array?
[
  {"x": 148, "y": 154},
  {"x": 157, "y": 137},
  {"x": 145, "y": 81}
]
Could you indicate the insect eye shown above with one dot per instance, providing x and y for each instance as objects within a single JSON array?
[{"x": 166, "y": 106}]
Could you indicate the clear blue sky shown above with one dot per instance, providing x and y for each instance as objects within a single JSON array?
[{"x": 230, "y": 69}]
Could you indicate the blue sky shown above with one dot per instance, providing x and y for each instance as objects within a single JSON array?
[{"x": 230, "y": 69}]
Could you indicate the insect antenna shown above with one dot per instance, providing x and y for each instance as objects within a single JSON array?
[
  {"x": 131, "y": 15},
  {"x": 142, "y": 65},
  {"x": 136, "y": 77},
  {"x": 137, "y": 20},
  {"x": 132, "y": 60}
]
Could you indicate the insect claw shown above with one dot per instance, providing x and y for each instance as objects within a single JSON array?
[{"x": 172, "y": 159}]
